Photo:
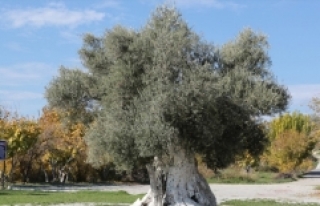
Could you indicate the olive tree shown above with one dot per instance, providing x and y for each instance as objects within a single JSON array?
[{"x": 160, "y": 94}]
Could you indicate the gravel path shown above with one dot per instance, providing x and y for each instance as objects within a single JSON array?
[{"x": 299, "y": 191}]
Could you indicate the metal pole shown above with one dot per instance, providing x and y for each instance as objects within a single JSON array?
[
  {"x": 4, "y": 171},
  {"x": 2, "y": 175}
]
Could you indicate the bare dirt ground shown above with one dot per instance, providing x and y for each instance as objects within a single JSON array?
[{"x": 299, "y": 191}]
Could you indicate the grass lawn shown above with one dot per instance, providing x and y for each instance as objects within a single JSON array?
[
  {"x": 11, "y": 197},
  {"x": 233, "y": 177},
  {"x": 262, "y": 203}
]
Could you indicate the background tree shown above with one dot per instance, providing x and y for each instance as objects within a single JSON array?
[
  {"x": 315, "y": 106},
  {"x": 61, "y": 145},
  {"x": 291, "y": 142},
  {"x": 161, "y": 94},
  {"x": 3, "y": 128},
  {"x": 290, "y": 152},
  {"x": 296, "y": 121},
  {"x": 21, "y": 134},
  {"x": 246, "y": 160}
]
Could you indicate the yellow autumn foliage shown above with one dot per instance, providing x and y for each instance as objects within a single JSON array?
[
  {"x": 291, "y": 142},
  {"x": 246, "y": 159},
  {"x": 21, "y": 135},
  {"x": 61, "y": 143},
  {"x": 290, "y": 151}
]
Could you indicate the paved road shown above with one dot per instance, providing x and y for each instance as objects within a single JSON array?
[{"x": 299, "y": 191}]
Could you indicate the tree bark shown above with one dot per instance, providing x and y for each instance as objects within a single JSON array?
[
  {"x": 45, "y": 175},
  {"x": 177, "y": 184},
  {"x": 63, "y": 175},
  {"x": 13, "y": 165},
  {"x": 26, "y": 171},
  {"x": 53, "y": 164}
]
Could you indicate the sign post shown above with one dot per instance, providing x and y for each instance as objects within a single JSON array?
[{"x": 3, "y": 151}]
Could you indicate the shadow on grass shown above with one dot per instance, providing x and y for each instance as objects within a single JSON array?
[
  {"x": 38, "y": 194},
  {"x": 26, "y": 194},
  {"x": 4, "y": 193}
]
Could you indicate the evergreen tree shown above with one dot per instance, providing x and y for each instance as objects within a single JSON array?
[{"x": 160, "y": 94}]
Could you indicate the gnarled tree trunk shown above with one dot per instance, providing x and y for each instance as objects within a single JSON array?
[{"x": 179, "y": 183}]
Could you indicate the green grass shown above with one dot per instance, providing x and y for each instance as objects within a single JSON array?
[
  {"x": 234, "y": 177},
  {"x": 263, "y": 203},
  {"x": 10, "y": 197}
]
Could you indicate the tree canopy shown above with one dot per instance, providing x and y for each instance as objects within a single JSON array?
[
  {"x": 291, "y": 142},
  {"x": 148, "y": 89}
]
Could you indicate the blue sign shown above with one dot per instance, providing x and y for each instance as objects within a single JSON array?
[{"x": 3, "y": 149}]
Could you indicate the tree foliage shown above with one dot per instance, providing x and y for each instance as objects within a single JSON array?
[
  {"x": 61, "y": 146},
  {"x": 295, "y": 121},
  {"x": 291, "y": 142},
  {"x": 164, "y": 85},
  {"x": 21, "y": 135},
  {"x": 50, "y": 145},
  {"x": 315, "y": 106}
]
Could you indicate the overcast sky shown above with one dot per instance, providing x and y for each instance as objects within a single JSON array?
[{"x": 39, "y": 36}]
